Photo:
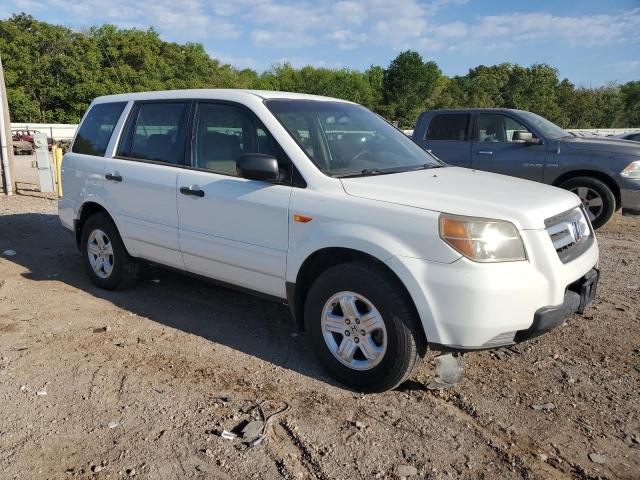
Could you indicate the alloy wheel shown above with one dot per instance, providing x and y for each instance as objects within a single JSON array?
[
  {"x": 100, "y": 253},
  {"x": 354, "y": 330}
]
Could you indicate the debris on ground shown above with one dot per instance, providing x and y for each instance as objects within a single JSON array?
[
  {"x": 227, "y": 435},
  {"x": 597, "y": 458},
  {"x": 545, "y": 407},
  {"x": 404, "y": 471},
  {"x": 113, "y": 424},
  {"x": 10, "y": 253},
  {"x": 253, "y": 431},
  {"x": 448, "y": 372}
]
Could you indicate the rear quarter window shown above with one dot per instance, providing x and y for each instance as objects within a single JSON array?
[
  {"x": 450, "y": 126},
  {"x": 96, "y": 129}
]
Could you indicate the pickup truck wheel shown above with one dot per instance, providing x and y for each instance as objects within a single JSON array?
[
  {"x": 363, "y": 327},
  {"x": 108, "y": 263},
  {"x": 596, "y": 196}
]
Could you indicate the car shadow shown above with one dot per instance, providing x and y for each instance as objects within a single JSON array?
[{"x": 256, "y": 327}]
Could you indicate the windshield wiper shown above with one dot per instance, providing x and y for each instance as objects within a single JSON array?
[
  {"x": 373, "y": 171},
  {"x": 367, "y": 172},
  {"x": 363, "y": 173}
]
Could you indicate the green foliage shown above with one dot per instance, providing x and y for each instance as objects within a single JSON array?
[
  {"x": 409, "y": 82},
  {"x": 53, "y": 73}
]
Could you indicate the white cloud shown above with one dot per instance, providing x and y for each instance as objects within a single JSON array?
[
  {"x": 299, "y": 62},
  {"x": 626, "y": 66},
  {"x": 272, "y": 25},
  {"x": 584, "y": 30},
  {"x": 188, "y": 21},
  {"x": 494, "y": 32},
  {"x": 238, "y": 62},
  {"x": 281, "y": 39}
]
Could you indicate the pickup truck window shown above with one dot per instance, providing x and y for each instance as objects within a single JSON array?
[
  {"x": 224, "y": 132},
  {"x": 97, "y": 127},
  {"x": 156, "y": 131},
  {"x": 344, "y": 139},
  {"x": 450, "y": 126},
  {"x": 495, "y": 127}
]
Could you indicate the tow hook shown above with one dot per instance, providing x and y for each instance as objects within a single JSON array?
[{"x": 448, "y": 371}]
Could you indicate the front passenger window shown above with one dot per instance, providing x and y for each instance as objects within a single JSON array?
[
  {"x": 224, "y": 132},
  {"x": 495, "y": 127}
]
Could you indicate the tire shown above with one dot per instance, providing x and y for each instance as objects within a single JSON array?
[
  {"x": 124, "y": 270},
  {"x": 596, "y": 196},
  {"x": 397, "y": 348}
]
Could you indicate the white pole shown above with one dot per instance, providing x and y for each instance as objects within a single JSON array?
[{"x": 4, "y": 147}]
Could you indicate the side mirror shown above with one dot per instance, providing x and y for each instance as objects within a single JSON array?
[
  {"x": 258, "y": 166},
  {"x": 525, "y": 137}
]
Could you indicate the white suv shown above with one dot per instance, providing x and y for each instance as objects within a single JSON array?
[{"x": 379, "y": 249}]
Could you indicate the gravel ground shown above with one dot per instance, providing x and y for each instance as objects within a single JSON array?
[{"x": 140, "y": 383}]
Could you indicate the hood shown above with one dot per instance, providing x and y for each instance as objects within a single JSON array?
[
  {"x": 467, "y": 192},
  {"x": 602, "y": 144}
]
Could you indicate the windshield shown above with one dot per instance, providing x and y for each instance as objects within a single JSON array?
[
  {"x": 344, "y": 139},
  {"x": 544, "y": 126}
]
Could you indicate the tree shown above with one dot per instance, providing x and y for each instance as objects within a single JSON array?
[
  {"x": 52, "y": 73},
  {"x": 631, "y": 103},
  {"x": 408, "y": 84}
]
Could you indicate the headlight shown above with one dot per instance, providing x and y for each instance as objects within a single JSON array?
[
  {"x": 482, "y": 239},
  {"x": 632, "y": 170}
]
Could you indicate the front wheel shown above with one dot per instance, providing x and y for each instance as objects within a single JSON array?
[
  {"x": 596, "y": 197},
  {"x": 363, "y": 327}
]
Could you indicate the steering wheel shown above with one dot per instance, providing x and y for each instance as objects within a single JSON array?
[{"x": 360, "y": 156}]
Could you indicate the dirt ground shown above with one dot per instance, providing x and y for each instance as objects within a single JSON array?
[{"x": 140, "y": 383}]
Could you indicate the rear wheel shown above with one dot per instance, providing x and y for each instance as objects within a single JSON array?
[
  {"x": 363, "y": 327},
  {"x": 108, "y": 263},
  {"x": 596, "y": 197}
]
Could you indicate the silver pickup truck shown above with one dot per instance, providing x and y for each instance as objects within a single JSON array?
[{"x": 603, "y": 172}]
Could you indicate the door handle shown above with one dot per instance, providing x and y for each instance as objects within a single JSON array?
[
  {"x": 485, "y": 152},
  {"x": 192, "y": 190},
  {"x": 113, "y": 177}
]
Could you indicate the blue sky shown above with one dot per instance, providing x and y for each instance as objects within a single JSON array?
[{"x": 591, "y": 42}]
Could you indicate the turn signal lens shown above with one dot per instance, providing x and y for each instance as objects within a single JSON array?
[
  {"x": 482, "y": 239},
  {"x": 632, "y": 170},
  {"x": 301, "y": 218}
]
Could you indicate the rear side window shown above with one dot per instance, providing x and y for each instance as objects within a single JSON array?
[
  {"x": 452, "y": 126},
  {"x": 156, "y": 132},
  {"x": 97, "y": 127}
]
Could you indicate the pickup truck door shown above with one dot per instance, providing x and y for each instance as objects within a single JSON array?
[
  {"x": 448, "y": 137},
  {"x": 232, "y": 229},
  {"x": 493, "y": 150}
]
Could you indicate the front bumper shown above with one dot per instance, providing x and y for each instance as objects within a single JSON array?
[
  {"x": 577, "y": 298},
  {"x": 472, "y": 306}
]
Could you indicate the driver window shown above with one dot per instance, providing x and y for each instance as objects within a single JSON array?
[{"x": 495, "y": 127}]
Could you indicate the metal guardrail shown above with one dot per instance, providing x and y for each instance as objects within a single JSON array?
[
  {"x": 66, "y": 131},
  {"x": 57, "y": 131}
]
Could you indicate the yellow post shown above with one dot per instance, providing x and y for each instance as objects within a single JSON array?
[{"x": 57, "y": 158}]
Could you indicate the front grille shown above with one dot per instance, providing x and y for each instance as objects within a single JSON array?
[{"x": 570, "y": 232}]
